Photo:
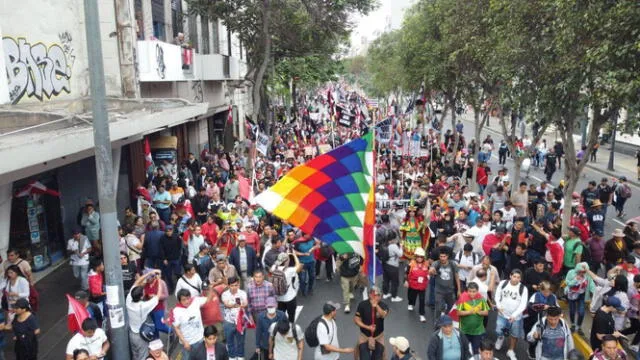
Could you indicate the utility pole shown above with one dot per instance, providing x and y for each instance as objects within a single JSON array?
[
  {"x": 106, "y": 192},
  {"x": 613, "y": 142}
]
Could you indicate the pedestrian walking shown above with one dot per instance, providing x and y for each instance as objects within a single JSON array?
[
  {"x": 235, "y": 301},
  {"x": 552, "y": 336},
  {"x": 349, "y": 270},
  {"x": 25, "y": 331},
  {"x": 79, "y": 248},
  {"x": 511, "y": 302},
  {"x": 449, "y": 341},
  {"x": 210, "y": 348},
  {"x": 327, "y": 334},
  {"x": 286, "y": 341},
  {"x": 92, "y": 339}
]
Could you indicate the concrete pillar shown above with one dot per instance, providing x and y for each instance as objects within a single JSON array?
[
  {"x": 147, "y": 19},
  {"x": 168, "y": 21},
  {"x": 126, "y": 25},
  {"x": 6, "y": 196},
  {"x": 116, "y": 155},
  {"x": 4, "y": 88}
]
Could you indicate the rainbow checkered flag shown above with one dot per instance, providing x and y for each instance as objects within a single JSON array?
[{"x": 330, "y": 197}]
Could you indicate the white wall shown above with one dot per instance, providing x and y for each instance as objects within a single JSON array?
[{"x": 47, "y": 37}]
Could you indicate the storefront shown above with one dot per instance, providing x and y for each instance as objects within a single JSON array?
[{"x": 36, "y": 226}]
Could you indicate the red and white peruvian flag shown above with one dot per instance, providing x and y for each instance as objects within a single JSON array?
[
  {"x": 77, "y": 314},
  {"x": 230, "y": 116},
  {"x": 148, "y": 160},
  {"x": 36, "y": 187}
]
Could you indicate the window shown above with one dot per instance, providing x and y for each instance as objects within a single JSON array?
[
  {"x": 177, "y": 17},
  {"x": 157, "y": 14},
  {"x": 193, "y": 32},
  {"x": 204, "y": 24}
]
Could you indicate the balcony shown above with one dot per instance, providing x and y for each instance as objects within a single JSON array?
[{"x": 161, "y": 61}]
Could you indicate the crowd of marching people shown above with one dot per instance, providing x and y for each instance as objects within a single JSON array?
[{"x": 193, "y": 237}]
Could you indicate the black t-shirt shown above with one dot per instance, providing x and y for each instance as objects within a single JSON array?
[
  {"x": 351, "y": 266},
  {"x": 604, "y": 192},
  {"x": 603, "y": 323},
  {"x": 365, "y": 312},
  {"x": 128, "y": 275},
  {"x": 538, "y": 243},
  {"x": 532, "y": 277},
  {"x": 589, "y": 196}
]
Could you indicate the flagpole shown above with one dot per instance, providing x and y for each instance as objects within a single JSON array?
[{"x": 375, "y": 175}]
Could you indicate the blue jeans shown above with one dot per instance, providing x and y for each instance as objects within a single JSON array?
[
  {"x": 576, "y": 306},
  {"x": 157, "y": 316},
  {"x": 235, "y": 340},
  {"x": 475, "y": 341},
  {"x": 164, "y": 215},
  {"x": 307, "y": 277},
  {"x": 186, "y": 355}
]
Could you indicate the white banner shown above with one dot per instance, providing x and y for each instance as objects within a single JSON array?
[{"x": 262, "y": 144}]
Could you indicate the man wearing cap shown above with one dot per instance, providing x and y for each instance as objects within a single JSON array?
[
  {"x": 93, "y": 310},
  {"x": 156, "y": 351},
  {"x": 327, "y": 333},
  {"x": 244, "y": 259},
  {"x": 171, "y": 250},
  {"x": 447, "y": 342},
  {"x": 623, "y": 193},
  {"x": 603, "y": 323},
  {"x": 370, "y": 315},
  {"x": 264, "y": 321},
  {"x": 615, "y": 249},
  {"x": 401, "y": 349},
  {"x": 573, "y": 249},
  {"x": 79, "y": 248}
]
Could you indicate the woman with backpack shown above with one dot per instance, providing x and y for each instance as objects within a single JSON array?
[
  {"x": 578, "y": 285},
  {"x": 287, "y": 300}
]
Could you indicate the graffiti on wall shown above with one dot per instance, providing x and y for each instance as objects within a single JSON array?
[
  {"x": 160, "y": 68},
  {"x": 67, "y": 45},
  {"x": 198, "y": 94},
  {"x": 35, "y": 70}
]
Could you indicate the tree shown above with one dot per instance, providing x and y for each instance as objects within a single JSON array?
[{"x": 282, "y": 29}]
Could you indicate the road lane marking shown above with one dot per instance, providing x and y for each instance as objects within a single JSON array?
[
  {"x": 298, "y": 311},
  {"x": 619, "y": 222}
]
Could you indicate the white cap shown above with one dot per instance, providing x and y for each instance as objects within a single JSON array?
[
  {"x": 156, "y": 345},
  {"x": 400, "y": 342},
  {"x": 419, "y": 252}
]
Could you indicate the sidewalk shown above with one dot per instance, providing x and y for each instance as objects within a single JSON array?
[{"x": 624, "y": 165}]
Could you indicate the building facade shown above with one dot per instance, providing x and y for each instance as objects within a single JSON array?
[{"x": 167, "y": 74}]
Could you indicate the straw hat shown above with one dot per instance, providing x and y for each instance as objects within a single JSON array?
[
  {"x": 617, "y": 233},
  {"x": 596, "y": 202}
]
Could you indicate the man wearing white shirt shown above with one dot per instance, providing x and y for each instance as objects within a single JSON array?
[
  {"x": 327, "y": 333},
  {"x": 79, "y": 247},
  {"x": 186, "y": 319},
  {"x": 138, "y": 310},
  {"x": 92, "y": 338},
  {"x": 478, "y": 232},
  {"x": 511, "y": 300},
  {"x": 509, "y": 213}
]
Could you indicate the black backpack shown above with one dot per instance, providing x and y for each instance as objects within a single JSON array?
[
  {"x": 311, "y": 332},
  {"x": 383, "y": 252},
  {"x": 504, "y": 285}
]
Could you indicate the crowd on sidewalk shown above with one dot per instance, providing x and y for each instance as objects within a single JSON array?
[{"x": 193, "y": 233}]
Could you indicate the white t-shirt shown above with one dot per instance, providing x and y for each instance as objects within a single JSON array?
[
  {"x": 466, "y": 261},
  {"x": 73, "y": 245},
  {"x": 231, "y": 314},
  {"x": 195, "y": 281},
  {"x": 508, "y": 299},
  {"x": 291, "y": 276},
  {"x": 478, "y": 234},
  {"x": 509, "y": 215},
  {"x": 189, "y": 320},
  {"x": 132, "y": 241},
  {"x": 92, "y": 344},
  {"x": 325, "y": 338},
  {"x": 285, "y": 347},
  {"x": 139, "y": 311}
]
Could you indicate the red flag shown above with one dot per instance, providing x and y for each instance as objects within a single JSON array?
[
  {"x": 148, "y": 160},
  {"x": 77, "y": 314},
  {"x": 230, "y": 116},
  {"x": 244, "y": 322},
  {"x": 36, "y": 187}
]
